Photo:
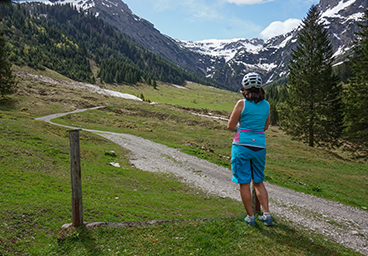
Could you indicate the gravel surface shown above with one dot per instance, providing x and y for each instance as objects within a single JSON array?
[{"x": 343, "y": 224}]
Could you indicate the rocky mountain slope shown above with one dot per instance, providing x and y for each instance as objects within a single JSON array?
[
  {"x": 118, "y": 14},
  {"x": 340, "y": 18},
  {"x": 226, "y": 61}
]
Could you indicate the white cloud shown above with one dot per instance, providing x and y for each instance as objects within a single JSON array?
[
  {"x": 248, "y": 2},
  {"x": 278, "y": 28}
]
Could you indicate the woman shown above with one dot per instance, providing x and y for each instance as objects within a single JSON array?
[{"x": 250, "y": 119}]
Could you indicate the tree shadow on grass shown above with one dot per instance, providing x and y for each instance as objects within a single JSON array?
[
  {"x": 77, "y": 241},
  {"x": 7, "y": 103},
  {"x": 284, "y": 235}
]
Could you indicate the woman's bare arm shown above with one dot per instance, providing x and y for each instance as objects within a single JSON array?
[
  {"x": 235, "y": 115},
  {"x": 268, "y": 121}
]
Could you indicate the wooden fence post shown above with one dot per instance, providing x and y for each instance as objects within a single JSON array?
[
  {"x": 256, "y": 206},
  {"x": 76, "y": 181}
]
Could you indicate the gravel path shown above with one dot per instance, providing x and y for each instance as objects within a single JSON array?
[{"x": 343, "y": 224}]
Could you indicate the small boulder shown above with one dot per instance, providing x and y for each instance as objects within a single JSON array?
[{"x": 115, "y": 164}]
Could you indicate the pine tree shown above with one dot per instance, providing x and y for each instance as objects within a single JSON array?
[
  {"x": 8, "y": 85},
  {"x": 154, "y": 84},
  {"x": 274, "y": 113},
  {"x": 357, "y": 91},
  {"x": 313, "y": 112},
  {"x": 119, "y": 77}
]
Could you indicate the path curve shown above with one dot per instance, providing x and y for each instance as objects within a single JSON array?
[{"x": 343, "y": 224}]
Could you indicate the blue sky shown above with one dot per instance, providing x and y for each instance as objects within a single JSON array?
[{"x": 196, "y": 20}]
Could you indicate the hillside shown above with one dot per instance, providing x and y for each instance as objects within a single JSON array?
[
  {"x": 67, "y": 60},
  {"x": 109, "y": 28},
  {"x": 226, "y": 61},
  {"x": 37, "y": 189},
  {"x": 83, "y": 47}
]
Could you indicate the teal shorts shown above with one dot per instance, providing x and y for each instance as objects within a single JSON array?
[{"x": 247, "y": 165}]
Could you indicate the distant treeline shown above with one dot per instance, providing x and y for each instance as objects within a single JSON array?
[{"x": 66, "y": 40}]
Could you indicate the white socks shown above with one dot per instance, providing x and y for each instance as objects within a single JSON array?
[{"x": 267, "y": 214}]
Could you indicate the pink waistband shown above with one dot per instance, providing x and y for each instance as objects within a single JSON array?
[{"x": 252, "y": 131}]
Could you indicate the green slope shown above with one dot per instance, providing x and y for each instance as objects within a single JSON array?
[{"x": 35, "y": 184}]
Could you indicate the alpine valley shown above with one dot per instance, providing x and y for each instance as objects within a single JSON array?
[{"x": 226, "y": 61}]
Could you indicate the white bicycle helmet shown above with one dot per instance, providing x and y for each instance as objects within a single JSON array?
[{"x": 252, "y": 80}]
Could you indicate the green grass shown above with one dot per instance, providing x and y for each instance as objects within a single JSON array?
[
  {"x": 324, "y": 173},
  {"x": 47, "y": 72},
  {"x": 222, "y": 236},
  {"x": 35, "y": 203},
  {"x": 328, "y": 174},
  {"x": 194, "y": 96},
  {"x": 35, "y": 198},
  {"x": 165, "y": 124},
  {"x": 35, "y": 187}
]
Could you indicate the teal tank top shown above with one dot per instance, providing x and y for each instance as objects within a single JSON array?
[{"x": 250, "y": 131}]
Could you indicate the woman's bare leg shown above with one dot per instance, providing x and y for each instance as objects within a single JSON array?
[
  {"x": 262, "y": 195},
  {"x": 246, "y": 198}
]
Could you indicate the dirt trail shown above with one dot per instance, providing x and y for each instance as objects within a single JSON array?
[{"x": 346, "y": 225}]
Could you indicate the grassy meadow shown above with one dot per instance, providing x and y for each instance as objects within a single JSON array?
[{"x": 35, "y": 185}]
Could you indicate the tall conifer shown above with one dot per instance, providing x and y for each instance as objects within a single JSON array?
[
  {"x": 357, "y": 91},
  {"x": 7, "y": 79},
  {"x": 313, "y": 112}
]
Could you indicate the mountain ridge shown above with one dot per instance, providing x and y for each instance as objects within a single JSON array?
[{"x": 226, "y": 61}]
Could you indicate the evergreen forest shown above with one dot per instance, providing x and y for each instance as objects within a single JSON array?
[{"x": 69, "y": 41}]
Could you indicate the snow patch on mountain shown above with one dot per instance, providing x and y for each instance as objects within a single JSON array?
[
  {"x": 226, "y": 49},
  {"x": 334, "y": 12},
  {"x": 113, "y": 3},
  {"x": 283, "y": 44},
  {"x": 262, "y": 66},
  {"x": 341, "y": 51},
  {"x": 80, "y": 4},
  {"x": 356, "y": 16}
]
